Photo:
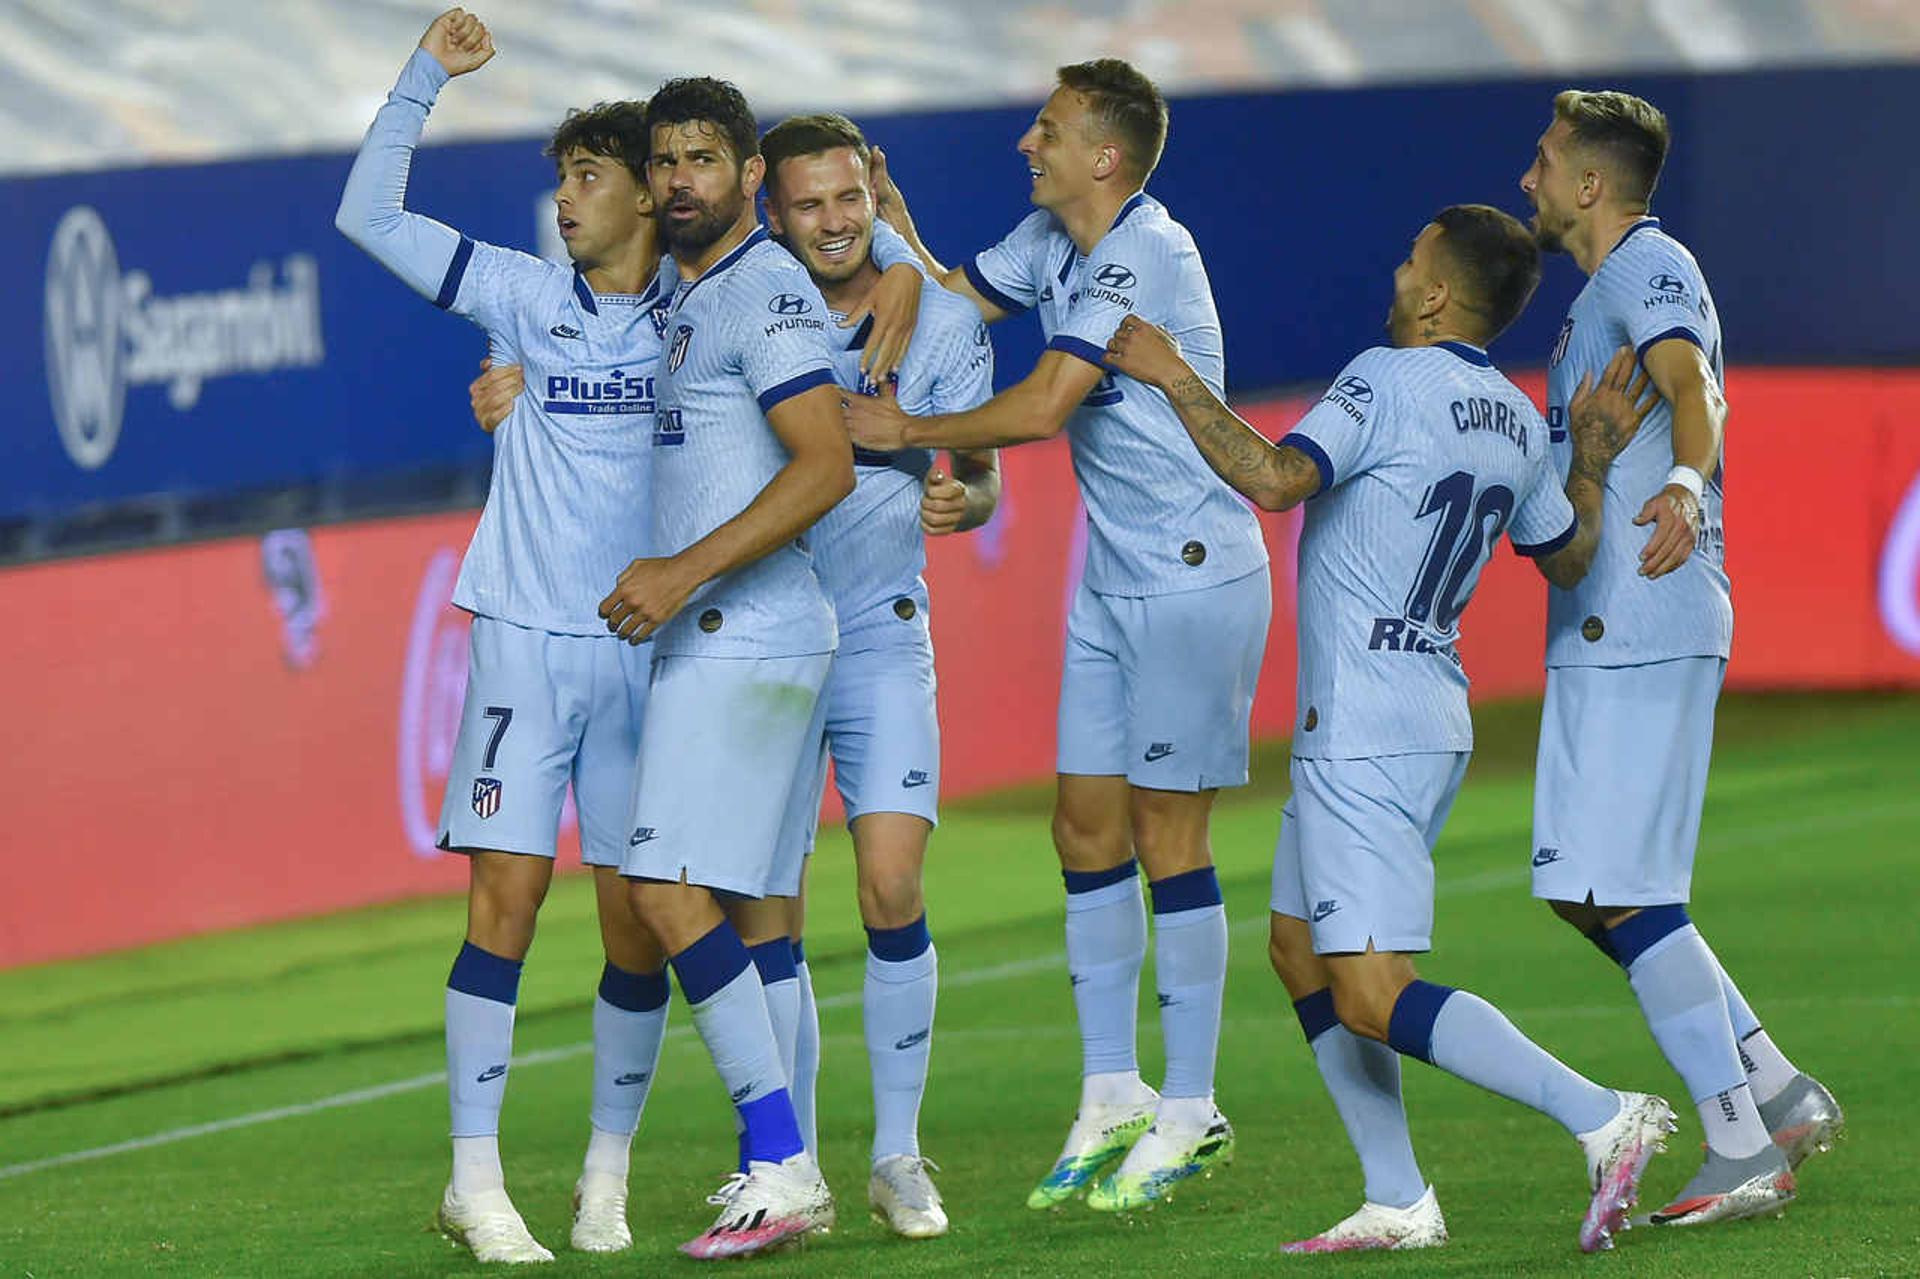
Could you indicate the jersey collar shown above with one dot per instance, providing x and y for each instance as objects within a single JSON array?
[
  {"x": 591, "y": 304},
  {"x": 756, "y": 237},
  {"x": 1471, "y": 354},
  {"x": 1642, "y": 225}
]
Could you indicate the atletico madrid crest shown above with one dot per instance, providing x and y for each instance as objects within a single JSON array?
[{"x": 486, "y": 797}]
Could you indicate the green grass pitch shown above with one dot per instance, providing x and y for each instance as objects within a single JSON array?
[{"x": 322, "y": 1039}]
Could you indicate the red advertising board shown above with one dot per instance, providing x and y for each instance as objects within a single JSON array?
[{"x": 254, "y": 729}]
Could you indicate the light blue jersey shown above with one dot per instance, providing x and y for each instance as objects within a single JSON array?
[
  {"x": 1160, "y": 519},
  {"x": 750, "y": 333},
  {"x": 1647, "y": 289},
  {"x": 1426, "y": 455},
  {"x": 869, "y": 551},
  {"x": 567, "y": 508}
]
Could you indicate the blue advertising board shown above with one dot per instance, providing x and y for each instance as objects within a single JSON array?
[{"x": 203, "y": 329}]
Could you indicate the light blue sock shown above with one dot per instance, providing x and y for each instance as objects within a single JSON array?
[
  {"x": 1190, "y": 970},
  {"x": 1466, "y": 1036},
  {"x": 730, "y": 1013},
  {"x": 1678, "y": 983},
  {"x": 806, "y": 1053},
  {"x": 897, "y": 1003},
  {"x": 481, "y": 992},
  {"x": 629, "y": 1023},
  {"x": 1363, "y": 1078},
  {"x": 773, "y": 960},
  {"x": 1106, "y": 944}
]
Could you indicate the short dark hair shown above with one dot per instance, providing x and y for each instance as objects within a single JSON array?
[
  {"x": 800, "y": 135},
  {"x": 717, "y": 102},
  {"x": 1631, "y": 132},
  {"x": 1124, "y": 104},
  {"x": 1497, "y": 260},
  {"x": 615, "y": 129}
]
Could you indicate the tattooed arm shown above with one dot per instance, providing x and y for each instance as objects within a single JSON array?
[
  {"x": 1602, "y": 420},
  {"x": 1273, "y": 477}
]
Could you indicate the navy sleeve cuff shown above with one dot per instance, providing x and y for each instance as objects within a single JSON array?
[
  {"x": 793, "y": 386},
  {"x": 985, "y": 289},
  {"x": 1680, "y": 331},
  {"x": 1094, "y": 355},
  {"x": 1295, "y": 440},
  {"x": 456, "y": 271},
  {"x": 1552, "y": 544}
]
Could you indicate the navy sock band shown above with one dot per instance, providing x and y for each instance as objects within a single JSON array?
[
  {"x": 710, "y": 963},
  {"x": 1632, "y": 936},
  {"x": 483, "y": 974},
  {"x": 1604, "y": 944},
  {"x": 1189, "y": 890},
  {"x": 1086, "y": 881},
  {"x": 635, "y": 992},
  {"x": 774, "y": 959},
  {"x": 897, "y": 945},
  {"x": 1316, "y": 1013},
  {"x": 1410, "y": 1029},
  {"x": 799, "y": 953}
]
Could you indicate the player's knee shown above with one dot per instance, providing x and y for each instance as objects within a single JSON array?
[
  {"x": 1285, "y": 953},
  {"x": 1581, "y": 915},
  {"x": 890, "y": 897},
  {"x": 1087, "y": 839},
  {"x": 1362, "y": 1008}
]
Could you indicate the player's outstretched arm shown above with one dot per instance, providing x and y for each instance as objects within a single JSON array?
[
  {"x": 1272, "y": 477},
  {"x": 894, "y": 304},
  {"x": 1680, "y": 370},
  {"x": 1602, "y": 420},
  {"x": 1035, "y": 408},
  {"x": 818, "y": 473},
  {"x": 963, "y": 499},
  {"x": 892, "y": 208},
  {"x": 372, "y": 210}
]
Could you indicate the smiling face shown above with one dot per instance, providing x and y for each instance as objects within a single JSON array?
[
  {"x": 1063, "y": 154},
  {"x": 1552, "y": 183},
  {"x": 700, "y": 189},
  {"x": 822, "y": 206},
  {"x": 599, "y": 206}
]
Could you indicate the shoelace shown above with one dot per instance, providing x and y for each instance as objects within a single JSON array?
[{"x": 729, "y": 1189}]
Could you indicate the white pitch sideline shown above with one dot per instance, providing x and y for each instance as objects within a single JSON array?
[{"x": 438, "y": 1079}]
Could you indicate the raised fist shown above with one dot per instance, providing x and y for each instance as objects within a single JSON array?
[{"x": 459, "y": 41}]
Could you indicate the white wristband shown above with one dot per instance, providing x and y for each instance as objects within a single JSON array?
[{"x": 1689, "y": 479}]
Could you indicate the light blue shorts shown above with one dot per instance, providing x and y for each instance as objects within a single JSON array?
[
  {"x": 544, "y": 710},
  {"x": 726, "y": 766},
  {"x": 1620, "y": 780},
  {"x": 1355, "y": 856},
  {"x": 1160, "y": 689},
  {"x": 882, "y": 731}
]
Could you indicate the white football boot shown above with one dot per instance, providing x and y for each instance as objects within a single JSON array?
[
  {"x": 600, "y": 1213},
  {"x": 487, "y": 1225},
  {"x": 904, "y": 1198},
  {"x": 1617, "y": 1153},
  {"x": 1376, "y": 1226},
  {"x": 768, "y": 1205}
]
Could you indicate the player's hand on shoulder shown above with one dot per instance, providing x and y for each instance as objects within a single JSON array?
[
  {"x": 459, "y": 41},
  {"x": 1674, "y": 513},
  {"x": 1603, "y": 417},
  {"x": 943, "y": 504},
  {"x": 894, "y": 304},
  {"x": 648, "y": 594},
  {"x": 1145, "y": 352},
  {"x": 492, "y": 393},
  {"x": 876, "y": 422}
]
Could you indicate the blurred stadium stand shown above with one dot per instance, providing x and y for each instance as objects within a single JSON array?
[{"x": 89, "y": 83}]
